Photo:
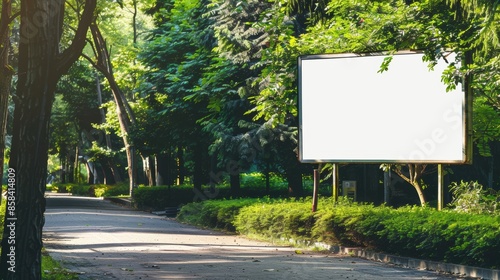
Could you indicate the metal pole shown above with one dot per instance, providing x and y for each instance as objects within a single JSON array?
[
  {"x": 335, "y": 176},
  {"x": 387, "y": 183},
  {"x": 440, "y": 187},
  {"x": 315, "y": 190}
]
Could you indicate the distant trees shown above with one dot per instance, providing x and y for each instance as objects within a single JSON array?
[{"x": 247, "y": 52}]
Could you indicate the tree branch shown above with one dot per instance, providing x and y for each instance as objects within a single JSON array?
[{"x": 72, "y": 53}]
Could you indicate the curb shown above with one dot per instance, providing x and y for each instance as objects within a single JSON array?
[
  {"x": 122, "y": 201},
  {"x": 454, "y": 269}
]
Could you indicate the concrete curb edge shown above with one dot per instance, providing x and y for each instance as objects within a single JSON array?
[{"x": 454, "y": 269}]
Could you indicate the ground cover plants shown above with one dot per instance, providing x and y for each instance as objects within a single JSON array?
[{"x": 419, "y": 232}]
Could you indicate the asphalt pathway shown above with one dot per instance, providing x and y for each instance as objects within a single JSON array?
[{"x": 100, "y": 240}]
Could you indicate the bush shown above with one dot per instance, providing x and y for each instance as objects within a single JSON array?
[
  {"x": 469, "y": 239},
  {"x": 110, "y": 190},
  {"x": 160, "y": 197},
  {"x": 277, "y": 219},
  {"x": 75, "y": 189},
  {"x": 99, "y": 190},
  {"x": 470, "y": 197},
  {"x": 219, "y": 214}
]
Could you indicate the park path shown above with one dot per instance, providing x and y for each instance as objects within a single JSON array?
[{"x": 100, "y": 240}]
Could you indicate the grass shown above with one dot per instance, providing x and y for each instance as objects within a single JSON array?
[{"x": 52, "y": 270}]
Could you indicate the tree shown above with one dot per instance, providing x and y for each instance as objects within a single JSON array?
[
  {"x": 6, "y": 73},
  {"x": 41, "y": 64},
  {"x": 177, "y": 53},
  {"x": 126, "y": 115},
  {"x": 75, "y": 113}
]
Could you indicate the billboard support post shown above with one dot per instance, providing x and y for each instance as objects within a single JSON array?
[
  {"x": 440, "y": 187},
  {"x": 387, "y": 183},
  {"x": 315, "y": 190},
  {"x": 335, "y": 176}
]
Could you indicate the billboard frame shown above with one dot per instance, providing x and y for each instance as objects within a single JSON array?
[{"x": 466, "y": 117}]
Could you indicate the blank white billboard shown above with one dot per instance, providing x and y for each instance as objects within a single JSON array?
[{"x": 350, "y": 112}]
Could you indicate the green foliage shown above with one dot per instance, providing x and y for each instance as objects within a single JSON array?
[
  {"x": 469, "y": 239},
  {"x": 99, "y": 154},
  {"x": 160, "y": 197},
  {"x": 279, "y": 219},
  {"x": 470, "y": 197},
  {"x": 257, "y": 180},
  {"x": 218, "y": 214},
  {"x": 75, "y": 189},
  {"x": 92, "y": 190},
  {"x": 52, "y": 270},
  {"x": 486, "y": 125}
]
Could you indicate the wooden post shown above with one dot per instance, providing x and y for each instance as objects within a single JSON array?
[
  {"x": 387, "y": 183},
  {"x": 335, "y": 177},
  {"x": 440, "y": 187},
  {"x": 315, "y": 190}
]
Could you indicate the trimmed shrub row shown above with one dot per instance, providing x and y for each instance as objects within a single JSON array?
[
  {"x": 100, "y": 190},
  {"x": 468, "y": 239}
]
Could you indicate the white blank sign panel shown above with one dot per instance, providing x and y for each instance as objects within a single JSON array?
[{"x": 349, "y": 112}]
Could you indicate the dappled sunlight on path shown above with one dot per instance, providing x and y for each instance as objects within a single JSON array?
[{"x": 100, "y": 240}]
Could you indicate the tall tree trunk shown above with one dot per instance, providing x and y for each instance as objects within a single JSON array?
[
  {"x": 235, "y": 184},
  {"x": 126, "y": 116},
  {"x": 294, "y": 179},
  {"x": 161, "y": 169},
  {"x": 293, "y": 173},
  {"x": 6, "y": 73},
  {"x": 41, "y": 64},
  {"x": 63, "y": 169},
  {"x": 111, "y": 162},
  {"x": 198, "y": 167},
  {"x": 148, "y": 164},
  {"x": 90, "y": 177},
  {"x": 181, "y": 170}
]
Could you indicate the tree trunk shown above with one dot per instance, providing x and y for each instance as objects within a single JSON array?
[
  {"x": 63, "y": 169},
  {"x": 181, "y": 173},
  {"x": 235, "y": 183},
  {"x": 111, "y": 162},
  {"x": 5, "y": 76},
  {"x": 148, "y": 166},
  {"x": 415, "y": 172},
  {"x": 267, "y": 173},
  {"x": 198, "y": 167},
  {"x": 40, "y": 66},
  {"x": 293, "y": 172},
  {"x": 124, "y": 112},
  {"x": 294, "y": 179},
  {"x": 159, "y": 169},
  {"x": 90, "y": 177}
]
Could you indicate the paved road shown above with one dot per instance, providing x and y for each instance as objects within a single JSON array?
[{"x": 103, "y": 241}]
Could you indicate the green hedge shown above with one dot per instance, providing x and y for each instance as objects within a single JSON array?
[
  {"x": 218, "y": 214},
  {"x": 100, "y": 190},
  {"x": 409, "y": 231},
  {"x": 158, "y": 198}
]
